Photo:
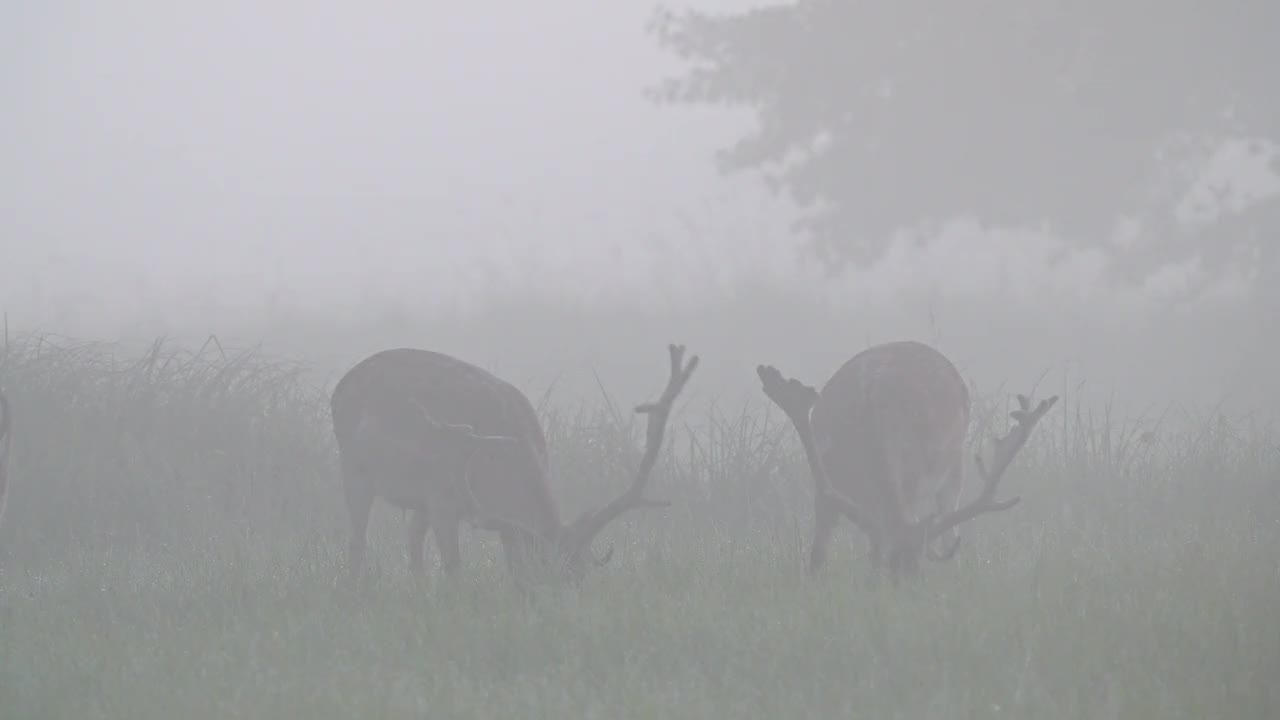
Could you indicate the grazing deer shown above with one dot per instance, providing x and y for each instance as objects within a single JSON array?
[
  {"x": 449, "y": 441},
  {"x": 885, "y": 443},
  {"x": 6, "y": 424}
]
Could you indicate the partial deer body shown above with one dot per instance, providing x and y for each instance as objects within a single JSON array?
[
  {"x": 885, "y": 442},
  {"x": 449, "y": 441}
]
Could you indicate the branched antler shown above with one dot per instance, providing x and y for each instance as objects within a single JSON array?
[
  {"x": 1006, "y": 448},
  {"x": 797, "y": 400},
  {"x": 794, "y": 397},
  {"x": 589, "y": 525}
]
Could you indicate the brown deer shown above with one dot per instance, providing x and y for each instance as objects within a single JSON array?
[
  {"x": 448, "y": 441},
  {"x": 885, "y": 444}
]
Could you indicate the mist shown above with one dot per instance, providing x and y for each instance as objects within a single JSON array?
[
  {"x": 196, "y": 172},
  {"x": 311, "y": 183},
  {"x": 324, "y": 152}
]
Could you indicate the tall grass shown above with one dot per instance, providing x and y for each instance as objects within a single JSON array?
[{"x": 175, "y": 542}]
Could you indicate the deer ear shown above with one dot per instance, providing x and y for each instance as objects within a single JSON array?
[{"x": 1024, "y": 401}]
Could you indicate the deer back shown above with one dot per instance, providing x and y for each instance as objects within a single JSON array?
[
  {"x": 890, "y": 423},
  {"x": 384, "y": 408}
]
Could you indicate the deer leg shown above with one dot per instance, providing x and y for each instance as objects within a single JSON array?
[
  {"x": 520, "y": 557},
  {"x": 445, "y": 528},
  {"x": 359, "y": 504},
  {"x": 418, "y": 526},
  {"x": 877, "y": 556}
]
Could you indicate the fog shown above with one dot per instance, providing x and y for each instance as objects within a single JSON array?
[
  {"x": 193, "y": 526},
  {"x": 330, "y": 180}
]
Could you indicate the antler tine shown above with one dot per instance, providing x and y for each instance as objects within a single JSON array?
[
  {"x": 1025, "y": 419},
  {"x": 794, "y": 397},
  {"x": 590, "y": 524},
  {"x": 1006, "y": 448},
  {"x": 680, "y": 373}
]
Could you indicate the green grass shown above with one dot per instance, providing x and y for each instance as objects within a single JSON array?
[{"x": 175, "y": 541}]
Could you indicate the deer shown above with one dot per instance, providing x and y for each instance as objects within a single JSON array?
[
  {"x": 447, "y": 442},
  {"x": 884, "y": 440}
]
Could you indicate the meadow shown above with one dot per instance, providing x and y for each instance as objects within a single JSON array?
[{"x": 175, "y": 543}]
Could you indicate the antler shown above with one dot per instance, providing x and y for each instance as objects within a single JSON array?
[
  {"x": 1006, "y": 448},
  {"x": 794, "y": 397},
  {"x": 590, "y": 524},
  {"x": 796, "y": 400}
]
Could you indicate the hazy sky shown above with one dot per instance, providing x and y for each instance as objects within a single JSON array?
[
  {"x": 320, "y": 146},
  {"x": 336, "y": 152}
]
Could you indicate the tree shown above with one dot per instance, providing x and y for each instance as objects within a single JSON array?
[{"x": 882, "y": 116}]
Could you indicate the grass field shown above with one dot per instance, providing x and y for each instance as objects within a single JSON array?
[{"x": 175, "y": 539}]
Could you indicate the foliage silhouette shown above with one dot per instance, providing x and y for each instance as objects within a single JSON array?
[{"x": 877, "y": 117}]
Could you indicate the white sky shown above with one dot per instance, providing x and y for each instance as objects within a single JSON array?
[{"x": 337, "y": 152}]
